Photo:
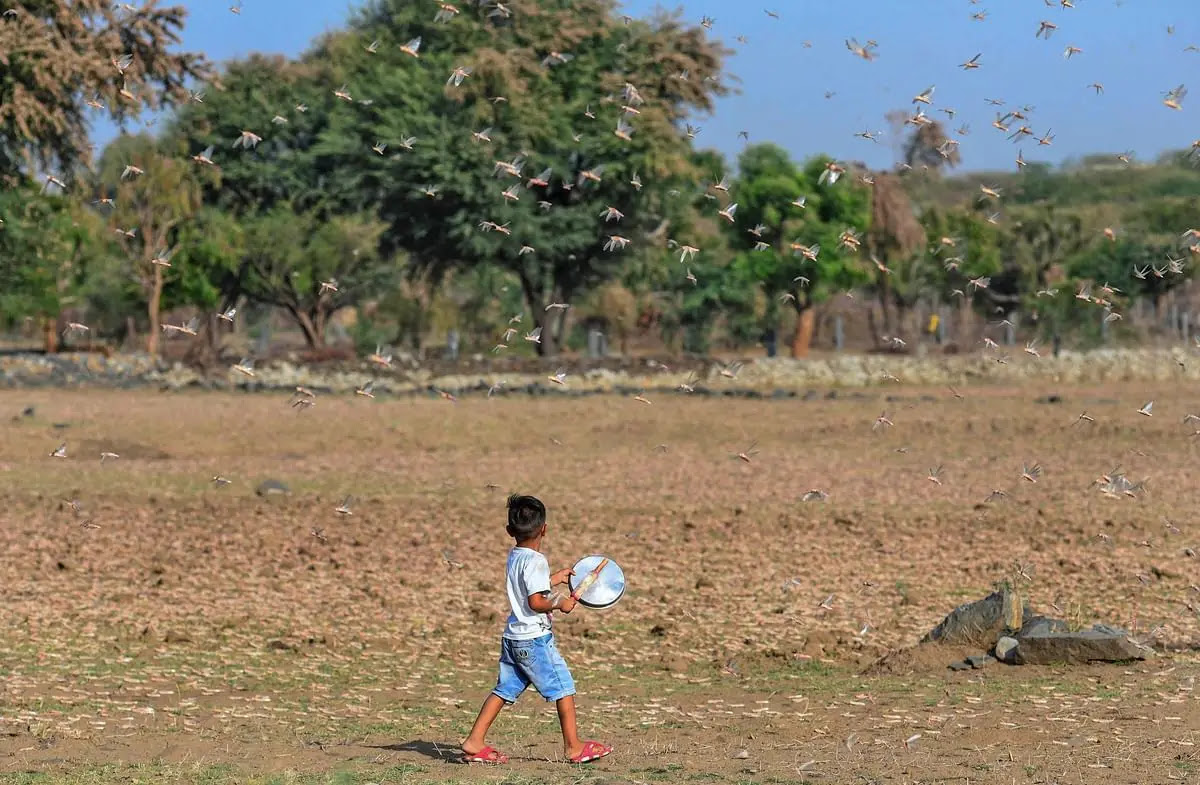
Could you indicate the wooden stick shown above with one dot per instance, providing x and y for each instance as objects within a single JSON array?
[{"x": 588, "y": 580}]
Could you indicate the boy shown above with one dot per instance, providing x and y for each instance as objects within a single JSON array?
[{"x": 528, "y": 654}]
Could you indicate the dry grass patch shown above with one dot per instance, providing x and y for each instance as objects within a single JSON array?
[{"x": 170, "y": 629}]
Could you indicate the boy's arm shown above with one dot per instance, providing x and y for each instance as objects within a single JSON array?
[
  {"x": 543, "y": 603},
  {"x": 537, "y": 582}
]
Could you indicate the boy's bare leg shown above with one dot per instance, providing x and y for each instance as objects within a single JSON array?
[
  {"x": 566, "y": 718},
  {"x": 487, "y": 715}
]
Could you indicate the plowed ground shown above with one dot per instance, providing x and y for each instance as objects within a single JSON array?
[{"x": 173, "y": 631}]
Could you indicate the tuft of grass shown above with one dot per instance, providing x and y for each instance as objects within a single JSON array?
[{"x": 1077, "y": 617}]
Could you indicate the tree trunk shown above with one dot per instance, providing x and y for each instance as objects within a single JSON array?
[
  {"x": 537, "y": 302},
  {"x": 314, "y": 339},
  {"x": 410, "y": 329},
  {"x": 966, "y": 323},
  {"x": 49, "y": 335},
  {"x": 320, "y": 320},
  {"x": 203, "y": 351},
  {"x": 153, "y": 304},
  {"x": 902, "y": 323},
  {"x": 805, "y": 318},
  {"x": 560, "y": 326},
  {"x": 885, "y": 297},
  {"x": 548, "y": 347}
]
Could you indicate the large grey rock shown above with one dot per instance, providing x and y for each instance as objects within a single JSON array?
[
  {"x": 978, "y": 624},
  {"x": 1101, "y": 643}
]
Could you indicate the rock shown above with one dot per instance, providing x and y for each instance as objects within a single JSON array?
[
  {"x": 1006, "y": 649},
  {"x": 978, "y": 624},
  {"x": 1043, "y": 625},
  {"x": 978, "y": 661},
  {"x": 960, "y": 666},
  {"x": 1099, "y": 644},
  {"x": 271, "y": 488}
]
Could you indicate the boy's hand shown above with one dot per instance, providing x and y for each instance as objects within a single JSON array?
[
  {"x": 567, "y": 604},
  {"x": 560, "y": 578}
]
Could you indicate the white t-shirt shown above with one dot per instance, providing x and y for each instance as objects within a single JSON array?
[{"x": 528, "y": 573}]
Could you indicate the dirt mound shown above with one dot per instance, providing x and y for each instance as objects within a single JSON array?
[{"x": 922, "y": 658}]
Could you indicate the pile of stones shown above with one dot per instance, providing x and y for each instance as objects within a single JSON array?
[
  {"x": 482, "y": 374},
  {"x": 1003, "y": 628}
]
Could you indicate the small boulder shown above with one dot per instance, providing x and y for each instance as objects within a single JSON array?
[
  {"x": 1006, "y": 649},
  {"x": 271, "y": 488},
  {"x": 1101, "y": 643},
  {"x": 978, "y": 661},
  {"x": 959, "y": 666}
]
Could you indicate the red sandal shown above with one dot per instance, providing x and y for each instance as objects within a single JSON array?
[
  {"x": 485, "y": 755},
  {"x": 592, "y": 750}
]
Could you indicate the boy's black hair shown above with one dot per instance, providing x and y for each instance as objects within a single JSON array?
[{"x": 526, "y": 516}]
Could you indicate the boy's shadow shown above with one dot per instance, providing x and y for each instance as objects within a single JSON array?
[
  {"x": 449, "y": 753},
  {"x": 445, "y": 752}
]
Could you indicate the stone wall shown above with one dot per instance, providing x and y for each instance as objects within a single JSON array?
[{"x": 628, "y": 376}]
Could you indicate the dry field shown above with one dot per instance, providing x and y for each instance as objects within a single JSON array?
[{"x": 170, "y": 631}]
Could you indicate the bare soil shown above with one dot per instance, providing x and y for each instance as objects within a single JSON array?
[{"x": 170, "y": 630}]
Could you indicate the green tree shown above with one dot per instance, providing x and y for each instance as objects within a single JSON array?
[
  {"x": 48, "y": 245},
  {"x": 210, "y": 274},
  {"x": 1037, "y": 241},
  {"x": 311, "y": 265},
  {"x": 1137, "y": 267},
  {"x": 708, "y": 295},
  {"x": 262, "y": 124},
  {"x": 59, "y": 63},
  {"x": 286, "y": 104},
  {"x": 965, "y": 247},
  {"x": 771, "y": 232},
  {"x": 151, "y": 195},
  {"x": 550, "y": 85},
  {"x": 723, "y": 294}
]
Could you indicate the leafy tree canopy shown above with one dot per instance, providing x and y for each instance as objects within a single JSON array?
[
  {"x": 48, "y": 245},
  {"x": 448, "y": 142},
  {"x": 772, "y": 232},
  {"x": 62, "y": 60}
]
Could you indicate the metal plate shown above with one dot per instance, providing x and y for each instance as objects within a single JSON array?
[{"x": 608, "y": 588}]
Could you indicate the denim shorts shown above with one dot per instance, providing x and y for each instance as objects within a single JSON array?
[{"x": 535, "y": 662}]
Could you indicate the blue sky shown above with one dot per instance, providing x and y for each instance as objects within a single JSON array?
[{"x": 1125, "y": 43}]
